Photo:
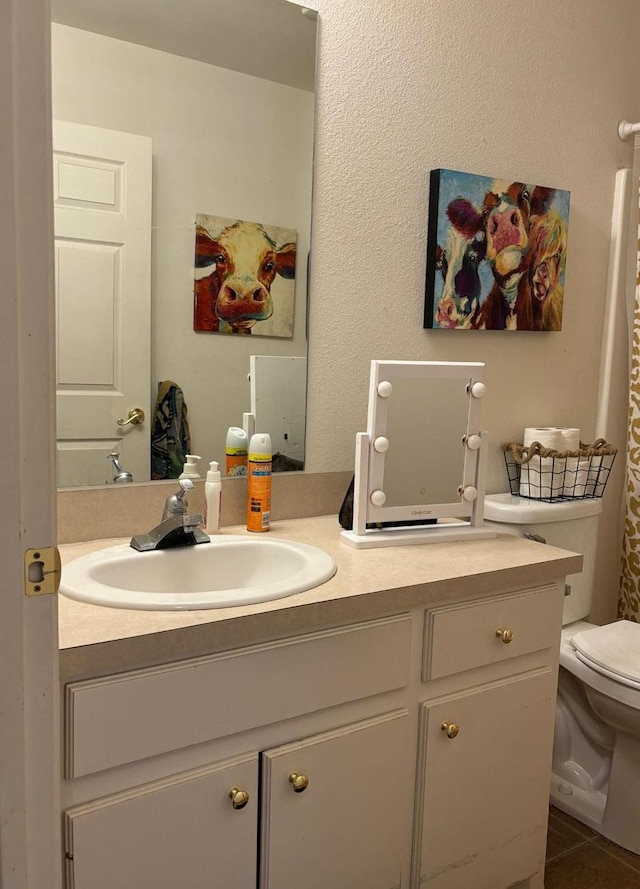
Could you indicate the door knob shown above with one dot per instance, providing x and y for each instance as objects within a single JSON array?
[
  {"x": 135, "y": 417},
  {"x": 451, "y": 728},
  {"x": 504, "y": 634},
  {"x": 299, "y": 782},
  {"x": 239, "y": 798}
]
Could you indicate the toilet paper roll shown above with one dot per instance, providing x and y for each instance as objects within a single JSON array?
[
  {"x": 549, "y": 436},
  {"x": 570, "y": 442},
  {"x": 582, "y": 479},
  {"x": 544, "y": 478}
]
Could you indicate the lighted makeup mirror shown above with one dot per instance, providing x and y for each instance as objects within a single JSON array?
[{"x": 420, "y": 466}]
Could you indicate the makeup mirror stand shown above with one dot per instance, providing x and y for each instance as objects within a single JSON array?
[{"x": 421, "y": 523}]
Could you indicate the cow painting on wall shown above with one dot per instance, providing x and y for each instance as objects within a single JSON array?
[
  {"x": 496, "y": 254},
  {"x": 244, "y": 279}
]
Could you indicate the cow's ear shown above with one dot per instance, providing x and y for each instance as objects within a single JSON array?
[
  {"x": 464, "y": 217},
  {"x": 541, "y": 199},
  {"x": 286, "y": 261},
  {"x": 206, "y": 248}
]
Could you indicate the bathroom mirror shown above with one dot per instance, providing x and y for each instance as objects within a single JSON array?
[
  {"x": 223, "y": 90},
  {"x": 420, "y": 466}
]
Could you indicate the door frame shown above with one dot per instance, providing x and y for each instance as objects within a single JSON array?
[{"x": 30, "y": 849}]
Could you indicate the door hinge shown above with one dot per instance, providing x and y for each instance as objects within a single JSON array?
[{"x": 42, "y": 571}]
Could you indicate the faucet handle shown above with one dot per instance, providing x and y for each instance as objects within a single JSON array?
[
  {"x": 121, "y": 475},
  {"x": 176, "y": 504}
]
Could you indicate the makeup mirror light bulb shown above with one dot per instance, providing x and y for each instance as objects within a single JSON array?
[
  {"x": 381, "y": 444},
  {"x": 473, "y": 442},
  {"x": 378, "y": 498},
  {"x": 385, "y": 389},
  {"x": 469, "y": 493},
  {"x": 478, "y": 389}
]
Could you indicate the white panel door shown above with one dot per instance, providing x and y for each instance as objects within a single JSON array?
[
  {"x": 102, "y": 201},
  {"x": 183, "y": 832},
  {"x": 483, "y": 799},
  {"x": 346, "y": 829},
  {"x": 278, "y": 401}
]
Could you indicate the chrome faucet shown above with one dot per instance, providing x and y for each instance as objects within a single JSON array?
[
  {"x": 177, "y": 527},
  {"x": 121, "y": 475}
]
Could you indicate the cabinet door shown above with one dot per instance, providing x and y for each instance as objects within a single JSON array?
[
  {"x": 179, "y": 832},
  {"x": 483, "y": 795},
  {"x": 347, "y": 828}
]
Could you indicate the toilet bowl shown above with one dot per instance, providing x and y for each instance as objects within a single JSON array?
[{"x": 596, "y": 753}]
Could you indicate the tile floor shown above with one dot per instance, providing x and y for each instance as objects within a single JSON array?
[{"x": 579, "y": 858}]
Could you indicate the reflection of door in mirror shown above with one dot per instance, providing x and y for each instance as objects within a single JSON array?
[
  {"x": 278, "y": 397},
  {"x": 224, "y": 90},
  {"x": 102, "y": 218},
  {"x": 426, "y": 423}
]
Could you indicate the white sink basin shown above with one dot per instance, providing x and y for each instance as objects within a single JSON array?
[{"x": 230, "y": 570}]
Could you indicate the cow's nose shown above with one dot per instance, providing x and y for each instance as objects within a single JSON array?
[
  {"x": 231, "y": 294},
  {"x": 258, "y": 295}
]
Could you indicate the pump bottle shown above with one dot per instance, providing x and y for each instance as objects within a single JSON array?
[
  {"x": 190, "y": 468},
  {"x": 212, "y": 497}
]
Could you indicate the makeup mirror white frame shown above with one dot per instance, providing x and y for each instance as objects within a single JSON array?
[{"x": 458, "y": 520}]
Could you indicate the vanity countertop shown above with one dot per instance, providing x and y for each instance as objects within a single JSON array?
[{"x": 367, "y": 584}]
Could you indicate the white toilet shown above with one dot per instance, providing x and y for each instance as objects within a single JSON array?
[{"x": 596, "y": 754}]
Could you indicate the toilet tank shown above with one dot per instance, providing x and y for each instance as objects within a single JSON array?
[{"x": 571, "y": 525}]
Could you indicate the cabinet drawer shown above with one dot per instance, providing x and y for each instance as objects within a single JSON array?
[
  {"x": 461, "y": 637},
  {"x": 121, "y": 719}
]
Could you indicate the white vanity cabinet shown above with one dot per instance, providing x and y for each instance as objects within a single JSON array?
[
  {"x": 484, "y": 745},
  {"x": 332, "y": 806},
  {"x": 337, "y": 738},
  {"x": 331, "y": 815}
]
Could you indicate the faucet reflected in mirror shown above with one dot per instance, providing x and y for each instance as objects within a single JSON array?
[
  {"x": 106, "y": 64},
  {"x": 121, "y": 475}
]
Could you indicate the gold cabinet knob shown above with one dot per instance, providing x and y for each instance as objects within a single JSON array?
[
  {"x": 451, "y": 728},
  {"x": 239, "y": 798},
  {"x": 298, "y": 782},
  {"x": 504, "y": 634},
  {"x": 135, "y": 417}
]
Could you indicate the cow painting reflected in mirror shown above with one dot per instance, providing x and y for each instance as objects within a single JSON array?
[
  {"x": 244, "y": 280},
  {"x": 496, "y": 254}
]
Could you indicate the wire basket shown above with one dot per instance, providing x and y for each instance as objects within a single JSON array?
[{"x": 540, "y": 473}]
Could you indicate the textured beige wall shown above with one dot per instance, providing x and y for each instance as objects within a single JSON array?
[{"x": 532, "y": 91}]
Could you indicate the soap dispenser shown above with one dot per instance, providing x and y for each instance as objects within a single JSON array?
[
  {"x": 190, "y": 468},
  {"x": 212, "y": 497}
]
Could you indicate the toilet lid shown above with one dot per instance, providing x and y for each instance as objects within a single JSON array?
[{"x": 613, "y": 650}]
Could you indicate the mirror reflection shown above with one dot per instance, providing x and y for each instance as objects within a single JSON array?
[
  {"x": 166, "y": 113},
  {"x": 426, "y": 423}
]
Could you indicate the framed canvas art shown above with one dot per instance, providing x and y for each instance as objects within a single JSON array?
[
  {"x": 244, "y": 277},
  {"x": 496, "y": 254}
]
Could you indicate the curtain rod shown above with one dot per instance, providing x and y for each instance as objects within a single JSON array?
[{"x": 626, "y": 129}]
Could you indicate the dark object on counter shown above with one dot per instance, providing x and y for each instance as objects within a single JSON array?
[
  {"x": 282, "y": 463},
  {"x": 345, "y": 516}
]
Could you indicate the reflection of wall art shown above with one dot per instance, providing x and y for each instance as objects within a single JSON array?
[
  {"x": 496, "y": 254},
  {"x": 244, "y": 277}
]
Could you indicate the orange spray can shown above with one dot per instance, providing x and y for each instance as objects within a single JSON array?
[
  {"x": 236, "y": 451},
  {"x": 259, "y": 482}
]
